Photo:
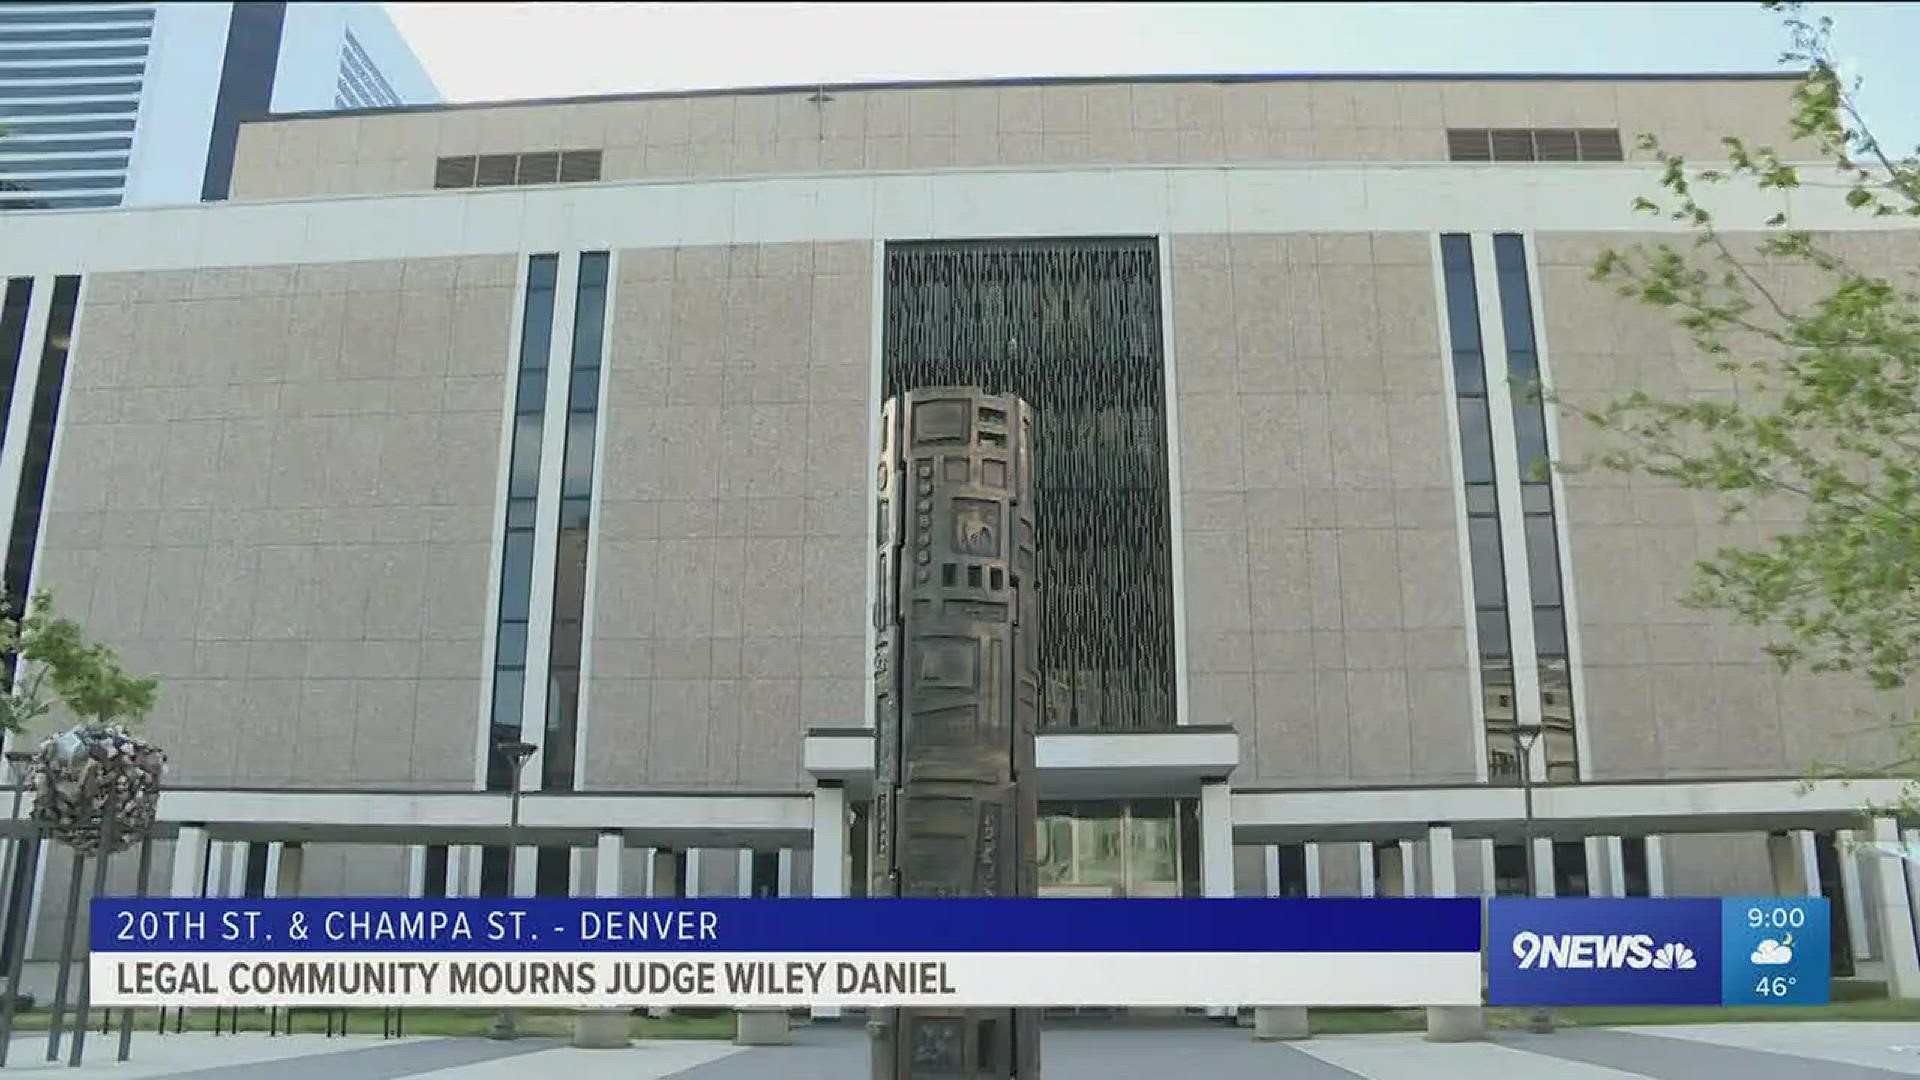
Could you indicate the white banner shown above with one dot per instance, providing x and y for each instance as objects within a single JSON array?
[{"x": 796, "y": 980}]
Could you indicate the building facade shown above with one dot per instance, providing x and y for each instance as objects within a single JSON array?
[
  {"x": 117, "y": 104},
  {"x": 375, "y": 468}
]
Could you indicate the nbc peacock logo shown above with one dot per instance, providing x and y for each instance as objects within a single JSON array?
[
  {"x": 1604, "y": 952},
  {"x": 1674, "y": 956}
]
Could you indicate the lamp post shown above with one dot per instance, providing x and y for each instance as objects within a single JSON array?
[
  {"x": 516, "y": 751},
  {"x": 1539, "y": 1021}
]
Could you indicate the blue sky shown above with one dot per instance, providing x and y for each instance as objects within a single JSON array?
[{"x": 493, "y": 51}]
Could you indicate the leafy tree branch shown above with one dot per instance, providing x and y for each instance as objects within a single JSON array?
[
  {"x": 1820, "y": 352},
  {"x": 53, "y": 653}
]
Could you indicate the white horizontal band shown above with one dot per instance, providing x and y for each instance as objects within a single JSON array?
[
  {"x": 1108, "y": 201},
  {"x": 588, "y": 980}
]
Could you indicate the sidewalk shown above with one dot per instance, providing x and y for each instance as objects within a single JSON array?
[{"x": 1783, "y": 1051}]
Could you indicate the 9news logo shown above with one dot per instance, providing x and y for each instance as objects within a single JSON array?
[
  {"x": 1600, "y": 952},
  {"x": 1604, "y": 951}
]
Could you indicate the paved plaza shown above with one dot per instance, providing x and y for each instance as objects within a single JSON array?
[{"x": 1785, "y": 1051}]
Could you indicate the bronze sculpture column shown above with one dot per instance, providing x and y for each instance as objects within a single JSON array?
[{"x": 958, "y": 698}]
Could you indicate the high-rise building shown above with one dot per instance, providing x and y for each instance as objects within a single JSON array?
[
  {"x": 112, "y": 104},
  {"x": 557, "y": 420}
]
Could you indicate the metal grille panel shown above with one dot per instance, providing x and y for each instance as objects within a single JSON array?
[{"x": 1073, "y": 327}]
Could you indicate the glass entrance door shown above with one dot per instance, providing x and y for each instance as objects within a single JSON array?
[{"x": 1110, "y": 848}]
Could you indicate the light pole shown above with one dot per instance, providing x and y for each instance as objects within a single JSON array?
[
  {"x": 516, "y": 751},
  {"x": 1539, "y": 1021}
]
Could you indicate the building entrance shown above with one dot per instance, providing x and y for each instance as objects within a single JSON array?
[{"x": 1131, "y": 847}]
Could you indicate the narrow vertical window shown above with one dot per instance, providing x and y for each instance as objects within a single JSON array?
[
  {"x": 13, "y": 334},
  {"x": 576, "y": 508},
  {"x": 516, "y": 553},
  {"x": 25, "y": 534},
  {"x": 1488, "y": 563},
  {"x": 1537, "y": 508}
]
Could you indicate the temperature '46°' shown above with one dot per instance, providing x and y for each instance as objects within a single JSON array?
[{"x": 1775, "y": 986}]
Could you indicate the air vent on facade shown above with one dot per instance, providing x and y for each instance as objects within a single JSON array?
[
  {"x": 502, "y": 170},
  {"x": 496, "y": 170},
  {"x": 1534, "y": 144},
  {"x": 579, "y": 166},
  {"x": 1467, "y": 145},
  {"x": 453, "y": 172},
  {"x": 1600, "y": 144},
  {"x": 539, "y": 168},
  {"x": 1512, "y": 144},
  {"x": 1557, "y": 145}
]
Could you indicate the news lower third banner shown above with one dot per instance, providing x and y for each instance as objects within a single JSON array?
[
  {"x": 575, "y": 953},
  {"x": 1761, "y": 950}
]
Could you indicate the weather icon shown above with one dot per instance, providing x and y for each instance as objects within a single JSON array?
[{"x": 1771, "y": 952}]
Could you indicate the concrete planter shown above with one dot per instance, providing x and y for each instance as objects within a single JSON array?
[
  {"x": 1276, "y": 1022},
  {"x": 761, "y": 1027},
  {"x": 1456, "y": 1023},
  {"x": 601, "y": 1029}
]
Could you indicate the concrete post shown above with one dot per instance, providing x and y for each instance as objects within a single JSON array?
[
  {"x": 1449, "y": 1023},
  {"x": 1656, "y": 866},
  {"x": 608, "y": 850},
  {"x": 1895, "y": 910},
  {"x": 214, "y": 869},
  {"x": 237, "y": 853},
  {"x": 1313, "y": 869},
  {"x": 1543, "y": 867},
  {"x": 1369, "y": 873},
  {"x": 604, "y": 1029},
  {"x": 657, "y": 881},
  {"x": 1853, "y": 896},
  {"x": 1599, "y": 871},
  {"x": 1280, "y": 1022},
  {"x": 1783, "y": 863},
  {"x": 1809, "y": 856},
  {"x": 189, "y": 861},
  {"x": 1616, "y": 867},
  {"x": 829, "y": 857},
  {"x": 1273, "y": 1022},
  {"x": 1912, "y": 837},
  {"x": 526, "y": 871},
  {"x": 286, "y": 879},
  {"x": 1216, "y": 852},
  {"x": 416, "y": 870}
]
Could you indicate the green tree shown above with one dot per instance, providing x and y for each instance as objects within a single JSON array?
[
  {"x": 1823, "y": 416},
  {"x": 86, "y": 676}
]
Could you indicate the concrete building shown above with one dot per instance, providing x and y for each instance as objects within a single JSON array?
[
  {"x": 115, "y": 104},
  {"x": 374, "y": 468}
]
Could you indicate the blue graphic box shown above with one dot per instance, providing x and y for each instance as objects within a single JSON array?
[
  {"x": 1706, "y": 951},
  {"x": 1776, "y": 951}
]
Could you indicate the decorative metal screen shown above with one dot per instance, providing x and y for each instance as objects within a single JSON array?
[{"x": 1073, "y": 327}]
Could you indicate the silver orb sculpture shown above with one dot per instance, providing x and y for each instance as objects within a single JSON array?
[{"x": 82, "y": 774}]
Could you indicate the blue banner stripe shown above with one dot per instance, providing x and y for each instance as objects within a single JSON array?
[{"x": 125, "y": 924}]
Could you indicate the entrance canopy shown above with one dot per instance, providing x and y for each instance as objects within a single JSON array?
[
  {"x": 689, "y": 819},
  {"x": 1562, "y": 811},
  {"x": 1072, "y": 765}
]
